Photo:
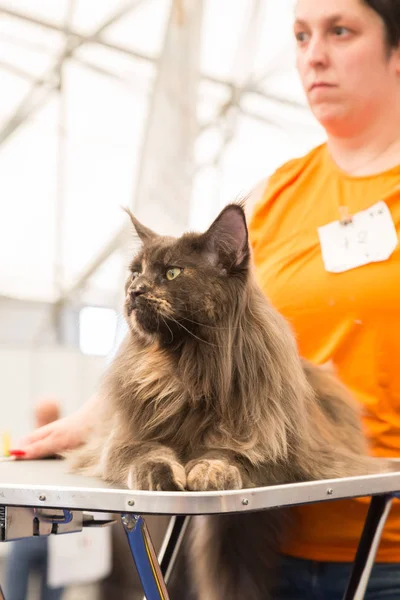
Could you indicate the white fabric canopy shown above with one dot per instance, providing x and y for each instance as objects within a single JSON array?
[{"x": 76, "y": 82}]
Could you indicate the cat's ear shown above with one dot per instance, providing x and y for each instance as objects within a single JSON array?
[
  {"x": 145, "y": 234},
  {"x": 227, "y": 238}
]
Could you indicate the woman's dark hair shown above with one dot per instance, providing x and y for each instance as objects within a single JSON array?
[{"x": 389, "y": 11}]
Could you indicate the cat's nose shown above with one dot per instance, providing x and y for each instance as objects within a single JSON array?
[{"x": 138, "y": 292}]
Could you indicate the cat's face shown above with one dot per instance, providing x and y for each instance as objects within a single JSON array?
[{"x": 176, "y": 287}]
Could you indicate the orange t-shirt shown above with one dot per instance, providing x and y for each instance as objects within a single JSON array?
[{"x": 351, "y": 318}]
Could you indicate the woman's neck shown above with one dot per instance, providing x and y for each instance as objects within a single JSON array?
[{"x": 374, "y": 150}]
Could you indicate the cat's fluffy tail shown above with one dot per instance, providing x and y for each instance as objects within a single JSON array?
[{"x": 235, "y": 556}]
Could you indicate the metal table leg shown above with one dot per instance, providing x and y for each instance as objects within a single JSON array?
[
  {"x": 171, "y": 545},
  {"x": 376, "y": 518},
  {"x": 145, "y": 557},
  {"x": 153, "y": 577}
]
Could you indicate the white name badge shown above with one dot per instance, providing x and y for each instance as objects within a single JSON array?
[{"x": 370, "y": 237}]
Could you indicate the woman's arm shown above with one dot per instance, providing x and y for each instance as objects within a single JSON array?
[{"x": 64, "y": 434}]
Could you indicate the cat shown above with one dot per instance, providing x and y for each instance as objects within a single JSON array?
[{"x": 208, "y": 392}]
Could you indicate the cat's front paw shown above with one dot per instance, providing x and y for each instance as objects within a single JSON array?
[
  {"x": 213, "y": 474},
  {"x": 157, "y": 475}
]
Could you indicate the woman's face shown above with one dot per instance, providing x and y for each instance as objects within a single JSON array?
[{"x": 347, "y": 71}]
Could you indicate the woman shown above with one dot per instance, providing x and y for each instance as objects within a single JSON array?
[
  {"x": 343, "y": 307},
  {"x": 338, "y": 285}
]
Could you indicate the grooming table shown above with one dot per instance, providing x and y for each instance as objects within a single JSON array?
[{"x": 40, "y": 498}]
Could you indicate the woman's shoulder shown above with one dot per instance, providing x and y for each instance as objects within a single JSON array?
[
  {"x": 281, "y": 177},
  {"x": 298, "y": 164}
]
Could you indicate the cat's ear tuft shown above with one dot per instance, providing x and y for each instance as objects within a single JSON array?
[
  {"x": 144, "y": 233},
  {"x": 228, "y": 239}
]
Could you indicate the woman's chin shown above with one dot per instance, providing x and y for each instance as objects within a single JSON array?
[{"x": 332, "y": 117}]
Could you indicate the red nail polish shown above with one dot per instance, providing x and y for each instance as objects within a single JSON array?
[{"x": 17, "y": 453}]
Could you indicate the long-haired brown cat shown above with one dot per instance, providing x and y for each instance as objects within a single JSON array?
[{"x": 208, "y": 392}]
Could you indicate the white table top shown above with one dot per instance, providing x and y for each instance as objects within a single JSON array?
[{"x": 46, "y": 483}]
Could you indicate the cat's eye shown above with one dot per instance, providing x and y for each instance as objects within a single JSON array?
[
  {"x": 173, "y": 273},
  {"x": 134, "y": 275}
]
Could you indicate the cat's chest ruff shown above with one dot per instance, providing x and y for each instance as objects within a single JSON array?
[{"x": 153, "y": 375}]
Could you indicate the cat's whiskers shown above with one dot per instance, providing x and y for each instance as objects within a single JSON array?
[
  {"x": 158, "y": 321},
  {"x": 161, "y": 303},
  {"x": 209, "y": 326},
  {"x": 166, "y": 324},
  {"x": 201, "y": 310},
  {"x": 193, "y": 335}
]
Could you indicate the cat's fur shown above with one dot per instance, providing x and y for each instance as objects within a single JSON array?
[{"x": 208, "y": 392}]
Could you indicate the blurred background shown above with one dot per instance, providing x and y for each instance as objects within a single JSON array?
[{"x": 170, "y": 107}]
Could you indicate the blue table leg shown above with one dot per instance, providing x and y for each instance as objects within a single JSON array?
[{"x": 145, "y": 557}]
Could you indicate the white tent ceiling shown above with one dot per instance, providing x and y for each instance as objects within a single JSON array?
[{"x": 76, "y": 80}]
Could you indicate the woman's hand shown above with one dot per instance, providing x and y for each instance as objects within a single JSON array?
[{"x": 64, "y": 434}]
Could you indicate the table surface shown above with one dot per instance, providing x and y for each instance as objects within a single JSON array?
[{"x": 46, "y": 483}]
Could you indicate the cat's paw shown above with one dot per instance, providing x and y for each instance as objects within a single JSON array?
[
  {"x": 213, "y": 474},
  {"x": 157, "y": 475}
]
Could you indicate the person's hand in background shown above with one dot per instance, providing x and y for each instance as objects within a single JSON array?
[{"x": 55, "y": 435}]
